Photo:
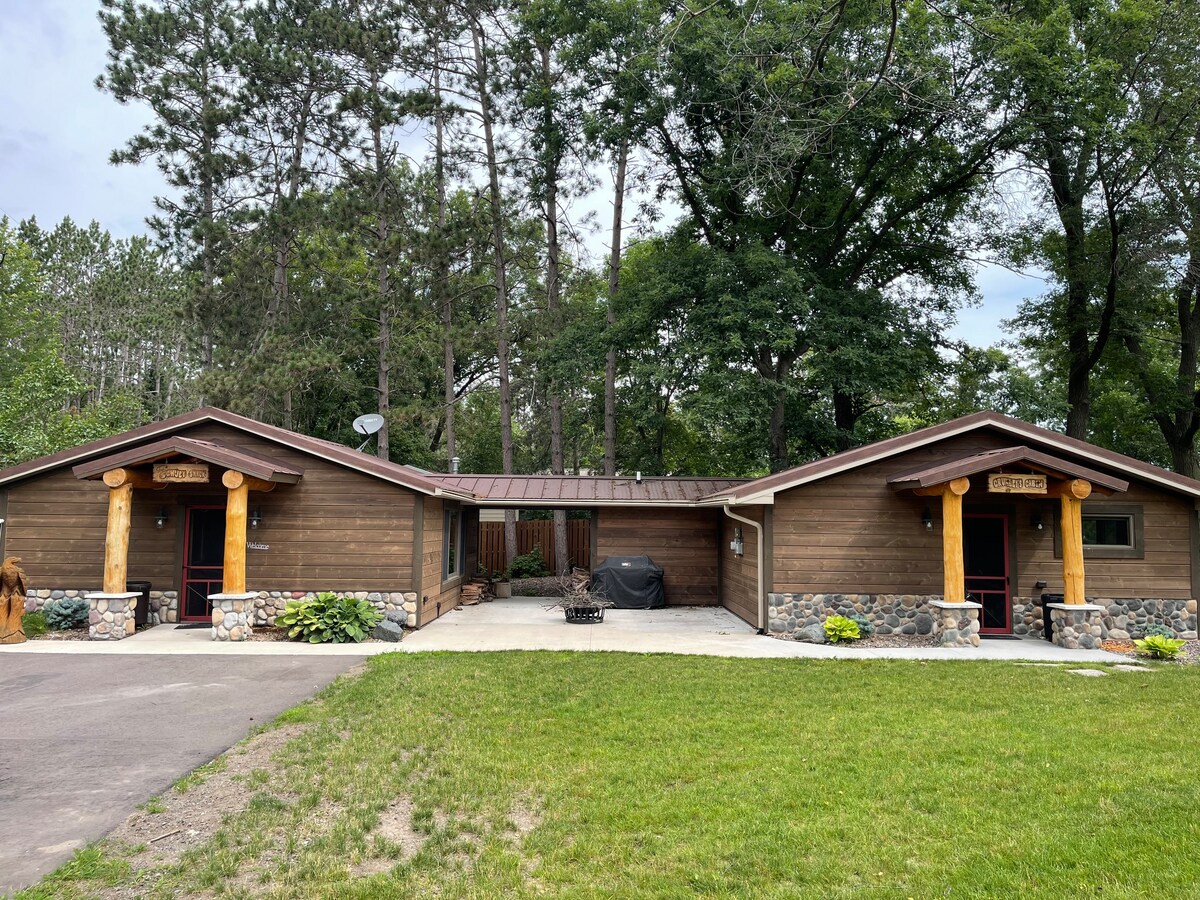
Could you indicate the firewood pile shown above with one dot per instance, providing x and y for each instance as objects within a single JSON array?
[{"x": 476, "y": 591}]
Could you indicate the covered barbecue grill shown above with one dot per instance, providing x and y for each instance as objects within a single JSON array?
[{"x": 630, "y": 582}]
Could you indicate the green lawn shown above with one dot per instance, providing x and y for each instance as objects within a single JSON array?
[{"x": 611, "y": 775}]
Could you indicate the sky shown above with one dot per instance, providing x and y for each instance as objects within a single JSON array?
[{"x": 57, "y": 132}]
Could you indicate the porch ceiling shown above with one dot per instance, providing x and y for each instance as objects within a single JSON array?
[
  {"x": 991, "y": 459},
  {"x": 238, "y": 460}
]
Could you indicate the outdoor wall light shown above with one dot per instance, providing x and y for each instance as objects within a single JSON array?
[
  {"x": 160, "y": 520},
  {"x": 1036, "y": 521},
  {"x": 927, "y": 519},
  {"x": 255, "y": 518}
]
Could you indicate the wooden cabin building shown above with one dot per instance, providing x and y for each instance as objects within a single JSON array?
[{"x": 974, "y": 527}]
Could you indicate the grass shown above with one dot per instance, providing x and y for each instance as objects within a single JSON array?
[{"x": 613, "y": 775}]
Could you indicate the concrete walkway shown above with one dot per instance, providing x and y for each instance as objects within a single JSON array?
[{"x": 523, "y": 623}]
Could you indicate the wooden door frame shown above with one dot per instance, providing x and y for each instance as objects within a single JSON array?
[
  {"x": 183, "y": 579},
  {"x": 1006, "y": 521}
]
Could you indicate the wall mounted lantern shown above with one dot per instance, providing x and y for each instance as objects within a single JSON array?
[
  {"x": 1036, "y": 521},
  {"x": 160, "y": 520},
  {"x": 255, "y": 518},
  {"x": 927, "y": 519}
]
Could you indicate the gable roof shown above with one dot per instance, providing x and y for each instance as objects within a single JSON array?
[
  {"x": 383, "y": 469},
  {"x": 764, "y": 490},
  {"x": 229, "y": 457},
  {"x": 991, "y": 459},
  {"x": 585, "y": 490}
]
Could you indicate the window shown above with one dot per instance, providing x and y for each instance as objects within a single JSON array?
[
  {"x": 1108, "y": 531},
  {"x": 452, "y": 542}
]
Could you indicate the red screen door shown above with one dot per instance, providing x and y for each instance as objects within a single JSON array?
[
  {"x": 985, "y": 564},
  {"x": 203, "y": 560}
]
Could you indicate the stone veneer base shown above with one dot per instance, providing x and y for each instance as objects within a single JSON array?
[
  {"x": 231, "y": 616},
  {"x": 269, "y": 604},
  {"x": 1077, "y": 626},
  {"x": 164, "y": 605},
  {"x": 112, "y": 617},
  {"x": 956, "y": 624}
]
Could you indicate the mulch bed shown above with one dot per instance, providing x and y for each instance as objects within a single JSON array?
[
  {"x": 267, "y": 633},
  {"x": 1190, "y": 655},
  {"x": 71, "y": 634}
]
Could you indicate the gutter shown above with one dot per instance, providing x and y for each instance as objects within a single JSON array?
[{"x": 762, "y": 618}]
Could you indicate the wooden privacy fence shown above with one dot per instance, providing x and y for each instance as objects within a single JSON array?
[{"x": 534, "y": 533}]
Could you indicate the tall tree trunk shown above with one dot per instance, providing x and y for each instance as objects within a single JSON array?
[
  {"x": 383, "y": 275},
  {"x": 777, "y": 435},
  {"x": 614, "y": 284},
  {"x": 554, "y": 306},
  {"x": 441, "y": 276},
  {"x": 506, "y": 433}
]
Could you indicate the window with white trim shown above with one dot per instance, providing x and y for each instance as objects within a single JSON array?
[{"x": 452, "y": 557}]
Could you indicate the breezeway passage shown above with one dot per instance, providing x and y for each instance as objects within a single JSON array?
[{"x": 86, "y": 739}]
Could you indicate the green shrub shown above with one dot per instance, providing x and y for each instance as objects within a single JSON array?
[
  {"x": 70, "y": 612},
  {"x": 329, "y": 619},
  {"x": 1159, "y": 647},
  {"x": 35, "y": 624},
  {"x": 839, "y": 628},
  {"x": 866, "y": 627},
  {"x": 529, "y": 565},
  {"x": 1157, "y": 630}
]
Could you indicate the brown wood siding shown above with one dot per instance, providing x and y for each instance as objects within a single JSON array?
[
  {"x": 851, "y": 533},
  {"x": 335, "y": 530},
  {"x": 438, "y": 594},
  {"x": 682, "y": 541},
  {"x": 739, "y": 574}
]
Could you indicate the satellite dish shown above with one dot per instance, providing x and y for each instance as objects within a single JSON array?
[{"x": 368, "y": 424}]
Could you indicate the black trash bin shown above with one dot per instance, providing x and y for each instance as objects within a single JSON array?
[
  {"x": 141, "y": 614},
  {"x": 630, "y": 582},
  {"x": 1047, "y": 623}
]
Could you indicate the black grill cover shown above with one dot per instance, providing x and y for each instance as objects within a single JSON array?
[{"x": 630, "y": 582}]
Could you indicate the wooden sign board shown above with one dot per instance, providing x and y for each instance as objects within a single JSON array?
[
  {"x": 181, "y": 473},
  {"x": 1003, "y": 483}
]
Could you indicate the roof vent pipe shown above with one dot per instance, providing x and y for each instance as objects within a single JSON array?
[
  {"x": 454, "y": 461},
  {"x": 638, "y": 477}
]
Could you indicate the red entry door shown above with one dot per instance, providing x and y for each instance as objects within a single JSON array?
[
  {"x": 985, "y": 564},
  {"x": 203, "y": 561}
]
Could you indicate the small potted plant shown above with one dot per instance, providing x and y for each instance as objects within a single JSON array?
[{"x": 501, "y": 586}]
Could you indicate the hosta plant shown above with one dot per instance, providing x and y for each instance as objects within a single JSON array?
[
  {"x": 1158, "y": 647},
  {"x": 839, "y": 628},
  {"x": 329, "y": 619}
]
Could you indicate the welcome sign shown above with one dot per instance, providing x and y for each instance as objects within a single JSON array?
[{"x": 1003, "y": 483}]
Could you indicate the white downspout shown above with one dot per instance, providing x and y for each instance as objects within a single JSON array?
[{"x": 762, "y": 625}]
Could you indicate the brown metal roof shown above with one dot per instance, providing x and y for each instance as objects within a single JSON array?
[
  {"x": 395, "y": 473},
  {"x": 584, "y": 490},
  {"x": 764, "y": 489},
  {"x": 208, "y": 451},
  {"x": 991, "y": 459}
]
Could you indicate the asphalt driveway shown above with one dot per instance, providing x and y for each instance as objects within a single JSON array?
[{"x": 84, "y": 739}]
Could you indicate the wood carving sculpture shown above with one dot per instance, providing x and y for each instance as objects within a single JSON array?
[{"x": 12, "y": 602}]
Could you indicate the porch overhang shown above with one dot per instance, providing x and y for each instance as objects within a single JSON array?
[
  {"x": 234, "y": 459},
  {"x": 1025, "y": 457}
]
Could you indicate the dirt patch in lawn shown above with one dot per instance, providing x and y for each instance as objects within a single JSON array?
[{"x": 189, "y": 814}]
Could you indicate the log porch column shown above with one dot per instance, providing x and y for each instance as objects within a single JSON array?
[
  {"x": 953, "y": 581},
  {"x": 236, "y": 506},
  {"x": 1071, "y": 523},
  {"x": 116, "y": 539}
]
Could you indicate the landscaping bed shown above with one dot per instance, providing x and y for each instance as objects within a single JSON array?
[
  {"x": 1189, "y": 654},
  {"x": 560, "y": 774}
]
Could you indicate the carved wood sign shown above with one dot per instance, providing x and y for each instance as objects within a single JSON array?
[
  {"x": 181, "y": 473},
  {"x": 1003, "y": 483}
]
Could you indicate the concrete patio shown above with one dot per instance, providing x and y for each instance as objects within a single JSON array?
[{"x": 523, "y": 623}]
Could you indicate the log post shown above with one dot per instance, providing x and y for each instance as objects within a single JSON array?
[
  {"x": 1071, "y": 523},
  {"x": 236, "y": 504},
  {"x": 116, "y": 538},
  {"x": 953, "y": 580}
]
